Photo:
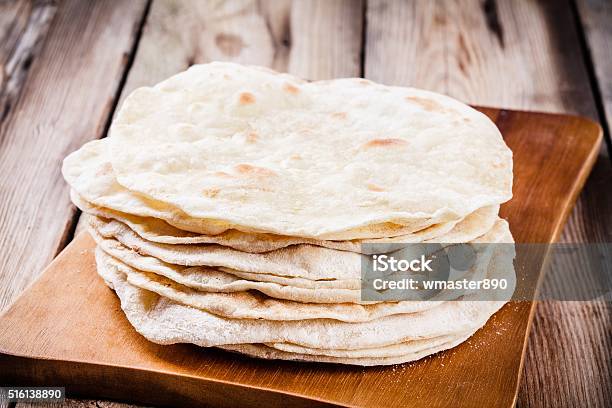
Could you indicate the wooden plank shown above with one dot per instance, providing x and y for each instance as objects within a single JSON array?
[
  {"x": 508, "y": 57},
  {"x": 23, "y": 26},
  {"x": 65, "y": 101},
  {"x": 316, "y": 39},
  {"x": 523, "y": 55},
  {"x": 326, "y": 39},
  {"x": 596, "y": 19}
]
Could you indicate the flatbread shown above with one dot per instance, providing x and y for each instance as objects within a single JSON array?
[
  {"x": 234, "y": 207},
  {"x": 203, "y": 276},
  {"x": 259, "y": 151},
  {"x": 270, "y": 353},
  {"x": 89, "y": 173},
  {"x": 166, "y": 322},
  {"x": 140, "y": 260},
  {"x": 395, "y": 350},
  {"x": 302, "y": 261},
  {"x": 251, "y": 305},
  {"x": 156, "y": 230}
]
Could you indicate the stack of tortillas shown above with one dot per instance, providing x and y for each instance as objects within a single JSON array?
[{"x": 230, "y": 205}]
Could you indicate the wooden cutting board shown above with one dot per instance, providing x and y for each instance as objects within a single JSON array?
[{"x": 68, "y": 329}]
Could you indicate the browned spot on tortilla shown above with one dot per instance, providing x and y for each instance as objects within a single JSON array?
[
  {"x": 291, "y": 89},
  {"x": 427, "y": 104},
  {"x": 385, "y": 143},
  {"x": 339, "y": 115},
  {"x": 252, "y": 137},
  {"x": 229, "y": 44},
  {"x": 374, "y": 187},
  {"x": 296, "y": 157},
  {"x": 246, "y": 98},
  {"x": 222, "y": 174},
  {"x": 211, "y": 192},
  {"x": 226, "y": 76},
  {"x": 364, "y": 82},
  {"x": 250, "y": 170}
]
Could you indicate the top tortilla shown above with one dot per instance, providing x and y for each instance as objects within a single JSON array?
[{"x": 245, "y": 148}]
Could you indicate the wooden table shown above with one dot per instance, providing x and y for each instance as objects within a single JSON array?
[{"x": 67, "y": 65}]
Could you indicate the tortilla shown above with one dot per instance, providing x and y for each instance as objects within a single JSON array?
[
  {"x": 259, "y": 151},
  {"x": 395, "y": 350},
  {"x": 89, "y": 172},
  {"x": 302, "y": 261},
  {"x": 166, "y": 322},
  {"x": 156, "y": 230},
  {"x": 234, "y": 207},
  {"x": 270, "y": 353},
  {"x": 251, "y": 305}
]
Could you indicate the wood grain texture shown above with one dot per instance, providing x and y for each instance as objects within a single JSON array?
[
  {"x": 527, "y": 55},
  {"x": 313, "y": 39},
  {"x": 452, "y": 47},
  {"x": 596, "y": 20},
  {"x": 23, "y": 26},
  {"x": 76, "y": 333},
  {"x": 66, "y": 101}
]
